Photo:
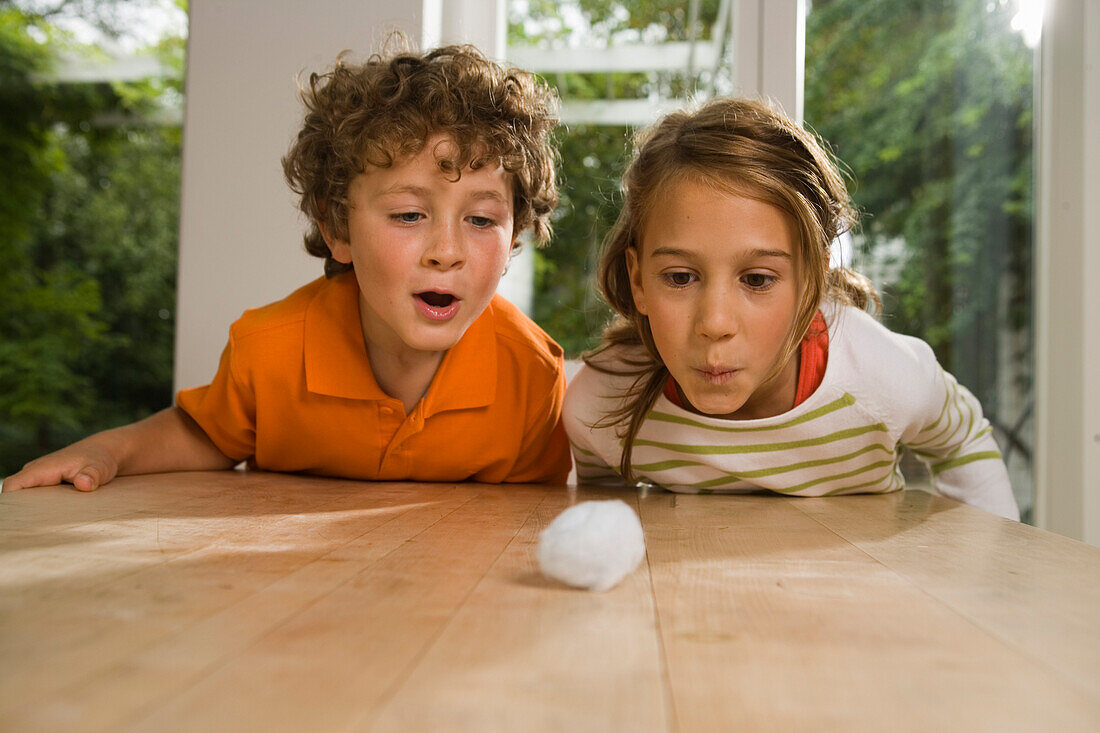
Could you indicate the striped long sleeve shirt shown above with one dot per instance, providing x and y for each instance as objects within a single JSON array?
[{"x": 881, "y": 391}]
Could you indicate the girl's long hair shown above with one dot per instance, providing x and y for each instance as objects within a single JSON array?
[{"x": 739, "y": 146}]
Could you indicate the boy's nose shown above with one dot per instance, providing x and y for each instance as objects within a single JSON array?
[{"x": 444, "y": 251}]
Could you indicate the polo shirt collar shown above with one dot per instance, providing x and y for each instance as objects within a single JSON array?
[
  {"x": 336, "y": 361},
  {"x": 467, "y": 377},
  {"x": 335, "y": 355}
]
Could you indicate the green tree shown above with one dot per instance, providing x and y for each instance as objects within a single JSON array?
[
  {"x": 87, "y": 242},
  {"x": 46, "y": 313},
  {"x": 567, "y": 303},
  {"x": 930, "y": 106}
]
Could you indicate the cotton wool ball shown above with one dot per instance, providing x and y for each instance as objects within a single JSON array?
[{"x": 592, "y": 545}]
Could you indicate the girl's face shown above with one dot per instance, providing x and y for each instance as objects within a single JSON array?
[{"x": 718, "y": 279}]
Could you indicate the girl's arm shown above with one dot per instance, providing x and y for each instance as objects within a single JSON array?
[
  {"x": 592, "y": 469},
  {"x": 166, "y": 441},
  {"x": 960, "y": 451},
  {"x": 593, "y": 451}
]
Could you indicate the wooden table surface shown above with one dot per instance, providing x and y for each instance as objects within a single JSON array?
[{"x": 259, "y": 602}]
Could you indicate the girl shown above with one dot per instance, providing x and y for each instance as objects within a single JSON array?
[{"x": 739, "y": 360}]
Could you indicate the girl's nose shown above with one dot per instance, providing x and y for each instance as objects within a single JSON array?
[
  {"x": 444, "y": 250},
  {"x": 716, "y": 317}
]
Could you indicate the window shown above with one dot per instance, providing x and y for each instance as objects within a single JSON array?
[
  {"x": 88, "y": 226},
  {"x": 931, "y": 108},
  {"x": 617, "y": 67}
]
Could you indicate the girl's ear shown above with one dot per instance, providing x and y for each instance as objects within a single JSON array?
[
  {"x": 340, "y": 249},
  {"x": 634, "y": 269}
]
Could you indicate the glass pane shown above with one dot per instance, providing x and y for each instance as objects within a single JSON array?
[
  {"x": 90, "y": 111},
  {"x": 930, "y": 106},
  {"x": 617, "y": 66}
]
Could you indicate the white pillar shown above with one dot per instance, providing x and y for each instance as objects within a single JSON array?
[
  {"x": 483, "y": 23},
  {"x": 240, "y": 231},
  {"x": 1067, "y": 392},
  {"x": 769, "y": 51}
]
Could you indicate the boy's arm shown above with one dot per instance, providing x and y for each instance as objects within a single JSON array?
[
  {"x": 166, "y": 441},
  {"x": 544, "y": 454}
]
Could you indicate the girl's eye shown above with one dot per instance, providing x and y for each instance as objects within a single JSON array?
[
  {"x": 408, "y": 217},
  {"x": 679, "y": 279},
  {"x": 758, "y": 280},
  {"x": 481, "y": 222}
]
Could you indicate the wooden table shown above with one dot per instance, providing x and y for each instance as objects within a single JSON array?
[{"x": 258, "y": 602}]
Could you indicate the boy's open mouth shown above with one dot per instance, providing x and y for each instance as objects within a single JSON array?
[{"x": 436, "y": 300}]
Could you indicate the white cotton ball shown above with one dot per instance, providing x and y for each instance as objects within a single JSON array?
[{"x": 592, "y": 545}]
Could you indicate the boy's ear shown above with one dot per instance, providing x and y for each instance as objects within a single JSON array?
[
  {"x": 340, "y": 249},
  {"x": 634, "y": 269}
]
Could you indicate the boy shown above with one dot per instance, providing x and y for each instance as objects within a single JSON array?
[{"x": 418, "y": 173}]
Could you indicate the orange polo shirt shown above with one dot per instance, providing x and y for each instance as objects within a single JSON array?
[{"x": 295, "y": 392}]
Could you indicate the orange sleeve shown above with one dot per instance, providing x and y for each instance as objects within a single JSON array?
[
  {"x": 544, "y": 456},
  {"x": 224, "y": 409}
]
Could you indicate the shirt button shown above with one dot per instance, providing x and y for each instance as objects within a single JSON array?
[{"x": 387, "y": 410}]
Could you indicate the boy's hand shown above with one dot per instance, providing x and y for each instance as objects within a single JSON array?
[
  {"x": 166, "y": 441},
  {"x": 84, "y": 465}
]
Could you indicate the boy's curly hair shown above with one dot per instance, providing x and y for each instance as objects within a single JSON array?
[{"x": 387, "y": 108}]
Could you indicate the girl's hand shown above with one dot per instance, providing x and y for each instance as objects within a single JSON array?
[{"x": 86, "y": 465}]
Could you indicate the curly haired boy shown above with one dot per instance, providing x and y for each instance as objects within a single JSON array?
[{"x": 418, "y": 172}]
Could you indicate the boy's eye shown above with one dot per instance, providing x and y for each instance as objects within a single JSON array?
[
  {"x": 408, "y": 217},
  {"x": 481, "y": 222},
  {"x": 758, "y": 280},
  {"x": 679, "y": 279}
]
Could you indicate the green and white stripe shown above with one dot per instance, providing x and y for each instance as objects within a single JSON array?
[
  {"x": 830, "y": 449},
  {"x": 846, "y": 438}
]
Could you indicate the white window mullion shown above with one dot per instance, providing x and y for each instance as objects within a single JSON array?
[
  {"x": 770, "y": 50},
  {"x": 1067, "y": 397}
]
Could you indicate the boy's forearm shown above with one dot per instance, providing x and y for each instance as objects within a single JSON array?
[{"x": 166, "y": 441}]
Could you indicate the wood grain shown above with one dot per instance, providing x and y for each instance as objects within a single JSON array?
[
  {"x": 772, "y": 621},
  {"x": 1035, "y": 590},
  {"x": 526, "y": 653},
  {"x": 248, "y": 601}
]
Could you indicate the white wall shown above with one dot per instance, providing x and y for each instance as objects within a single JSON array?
[
  {"x": 1068, "y": 275},
  {"x": 770, "y": 50},
  {"x": 1091, "y": 157},
  {"x": 240, "y": 231}
]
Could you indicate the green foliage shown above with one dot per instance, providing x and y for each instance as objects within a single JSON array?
[
  {"x": 930, "y": 106},
  {"x": 88, "y": 231},
  {"x": 666, "y": 19},
  {"x": 23, "y": 138},
  {"x": 567, "y": 304}
]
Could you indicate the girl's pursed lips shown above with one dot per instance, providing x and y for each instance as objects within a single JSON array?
[
  {"x": 716, "y": 368},
  {"x": 716, "y": 375}
]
